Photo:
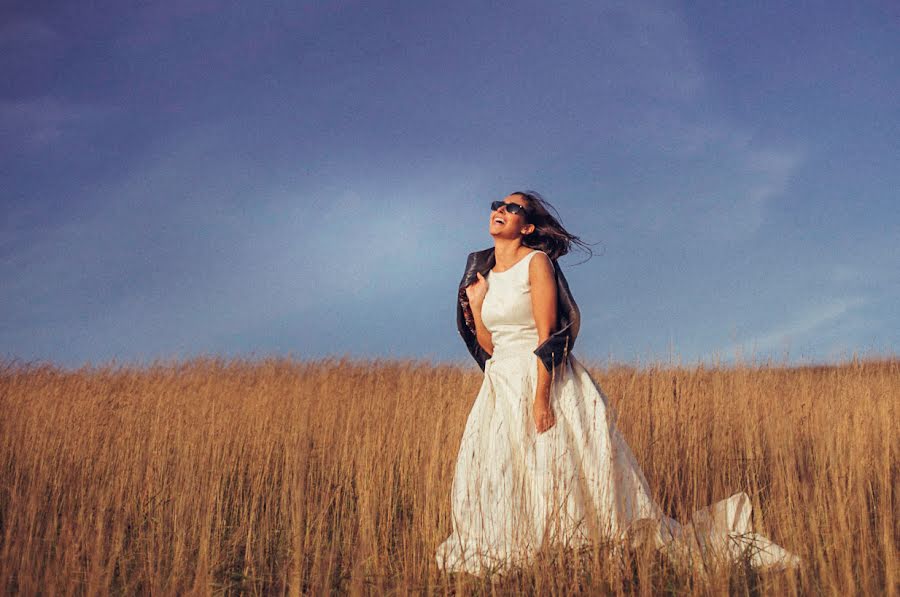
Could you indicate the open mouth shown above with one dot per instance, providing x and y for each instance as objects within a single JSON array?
[{"x": 499, "y": 221}]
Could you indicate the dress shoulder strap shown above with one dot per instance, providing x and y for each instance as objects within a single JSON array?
[
  {"x": 523, "y": 264},
  {"x": 528, "y": 257}
]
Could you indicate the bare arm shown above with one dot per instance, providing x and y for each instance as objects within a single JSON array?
[
  {"x": 475, "y": 292},
  {"x": 544, "y": 305}
]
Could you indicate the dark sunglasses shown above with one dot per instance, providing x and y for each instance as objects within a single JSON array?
[{"x": 513, "y": 208}]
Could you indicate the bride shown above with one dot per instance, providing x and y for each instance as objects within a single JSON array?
[{"x": 541, "y": 461}]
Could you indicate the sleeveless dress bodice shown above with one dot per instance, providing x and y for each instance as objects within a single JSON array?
[{"x": 506, "y": 311}]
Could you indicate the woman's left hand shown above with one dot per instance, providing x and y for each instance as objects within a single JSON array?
[{"x": 544, "y": 418}]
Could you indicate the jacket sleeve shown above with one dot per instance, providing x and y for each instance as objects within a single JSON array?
[
  {"x": 555, "y": 349},
  {"x": 465, "y": 322}
]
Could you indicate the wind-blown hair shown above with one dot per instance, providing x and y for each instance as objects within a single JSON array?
[{"x": 549, "y": 235}]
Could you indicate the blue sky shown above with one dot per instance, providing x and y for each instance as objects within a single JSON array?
[{"x": 306, "y": 179}]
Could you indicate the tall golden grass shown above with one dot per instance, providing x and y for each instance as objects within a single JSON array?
[{"x": 278, "y": 476}]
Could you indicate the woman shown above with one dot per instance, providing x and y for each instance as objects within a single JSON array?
[{"x": 541, "y": 460}]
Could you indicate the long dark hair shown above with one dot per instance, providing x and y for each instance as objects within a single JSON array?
[{"x": 549, "y": 235}]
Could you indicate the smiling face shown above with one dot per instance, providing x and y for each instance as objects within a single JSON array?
[{"x": 509, "y": 225}]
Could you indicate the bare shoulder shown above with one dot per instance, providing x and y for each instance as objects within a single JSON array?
[{"x": 540, "y": 266}]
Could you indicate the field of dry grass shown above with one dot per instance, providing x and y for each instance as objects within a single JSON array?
[{"x": 279, "y": 476}]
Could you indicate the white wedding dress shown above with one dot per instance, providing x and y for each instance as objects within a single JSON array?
[{"x": 515, "y": 490}]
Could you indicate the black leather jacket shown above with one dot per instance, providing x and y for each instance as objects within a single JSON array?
[{"x": 554, "y": 349}]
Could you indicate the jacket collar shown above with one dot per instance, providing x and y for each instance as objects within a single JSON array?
[{"x": 479, "y": 262}]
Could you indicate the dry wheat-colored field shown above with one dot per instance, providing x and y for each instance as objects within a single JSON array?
[{"x": 281, "y": 476}]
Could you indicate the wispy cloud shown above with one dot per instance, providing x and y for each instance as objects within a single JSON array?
[
  {"x": 34, "y": 124},
  {"x": 714, "y": 177},
  {"x": 723, "y": 194},
  {"x": 737, "y": 208},
  {"x": 815, "y": 318}
]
